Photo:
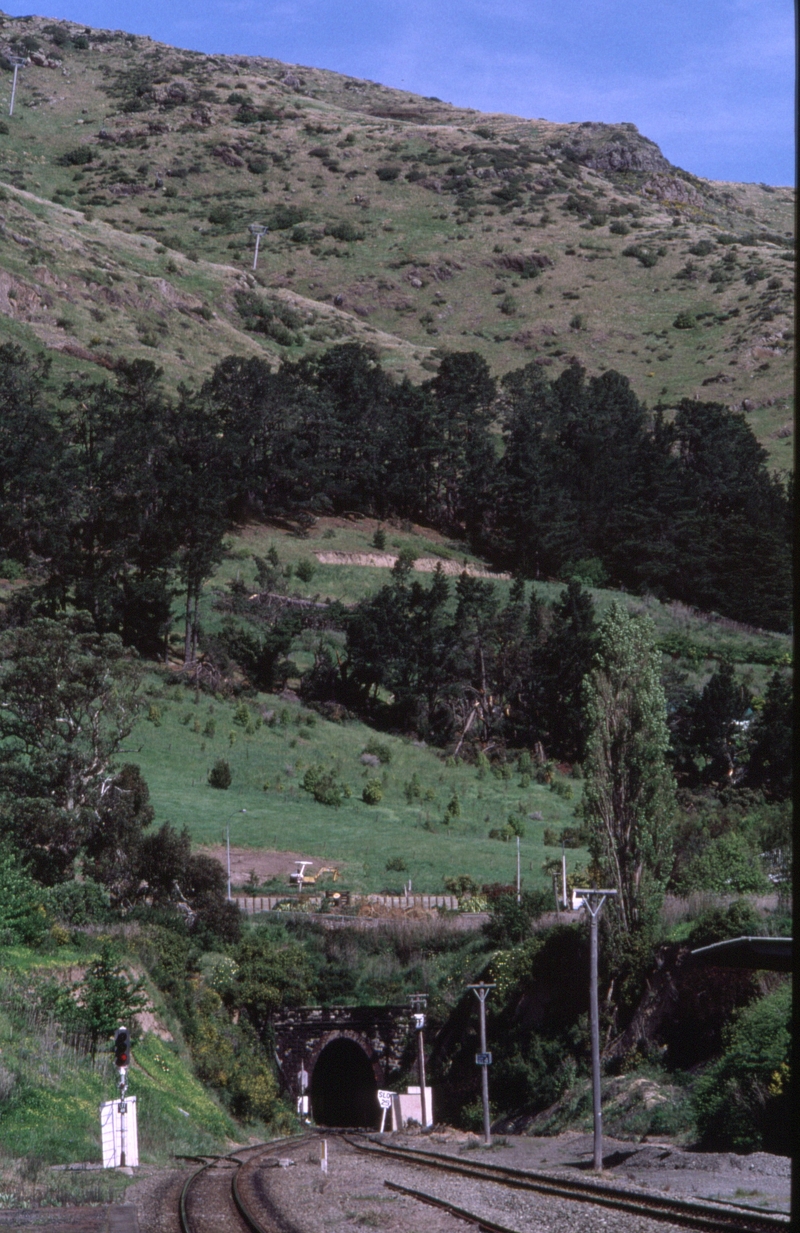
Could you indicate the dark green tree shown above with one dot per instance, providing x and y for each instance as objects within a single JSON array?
[
  {"x": 771, "y": 744},
  {"x": 714, "y": 722},
  {"x": 117, "y": 550},
  {"x": 106, "y": 998},
  {"x": 69, "y": 701},
  {"x": 559, "y": 668},
  {"x": 31, "y": 491}
]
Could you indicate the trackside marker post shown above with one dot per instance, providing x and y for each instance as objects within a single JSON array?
[
  {"x": 323, "y": 1156},
  {"x": 593, "y": 901}
]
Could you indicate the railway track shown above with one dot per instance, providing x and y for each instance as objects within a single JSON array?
[
  {"x": 689, "y": 1213},
  {"x": 228, "y": 1194},
  {"x": 223, "y": 1195}
]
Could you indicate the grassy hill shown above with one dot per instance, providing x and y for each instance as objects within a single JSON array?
[
  {"x": 133, "y": 169},
  {"x": 271, "y": 742}
]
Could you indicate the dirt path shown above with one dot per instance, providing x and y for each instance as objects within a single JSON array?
[
  {"x": 422, "y": 565},
  {"x": 267, "y": 863}
]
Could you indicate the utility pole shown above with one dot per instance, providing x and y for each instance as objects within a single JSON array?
[
  {"x": 418, "y": 1003},
  {"x": 519, "y": 892},
  {"x": 593, "y": 901},
  {"x": 257, "y": 229},
  {"x": 17, "y": 62},
  {"x": 228, "y": 846},
  {"x": 484, "y": 1060}
]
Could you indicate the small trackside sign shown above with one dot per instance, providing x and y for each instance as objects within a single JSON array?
[{"x": 483, "y": 1059}]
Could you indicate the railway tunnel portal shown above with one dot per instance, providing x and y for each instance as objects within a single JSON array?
[{"x": 339, "y": 1057}]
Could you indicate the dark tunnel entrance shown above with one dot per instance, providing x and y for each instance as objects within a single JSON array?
[{"x": 343, "y": 1087}]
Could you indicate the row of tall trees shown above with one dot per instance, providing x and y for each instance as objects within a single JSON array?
[{"x": 119, "y": 495}]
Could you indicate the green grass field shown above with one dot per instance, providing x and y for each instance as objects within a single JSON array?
[{"x": 177, "y": 755}]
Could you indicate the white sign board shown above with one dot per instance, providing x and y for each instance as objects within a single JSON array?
[
  {"x": 385, "y": 1099},
  {"x": 407, "y": 1106},
  {"x": 119, "y": 1134}
]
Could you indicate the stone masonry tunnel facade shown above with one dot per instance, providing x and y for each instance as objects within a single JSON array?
[{"x": 340, "y": 1056}]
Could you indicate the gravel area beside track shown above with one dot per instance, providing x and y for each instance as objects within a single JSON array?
[
  {"x": 757, "y": 1179},
  {"x": 353, "y": 1195}
]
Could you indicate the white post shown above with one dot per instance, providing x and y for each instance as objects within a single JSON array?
[
  {"x": 255, "y": 256},
  {"x": 323, "y": 1156},
  {"x": 519, "y": 895},
  {"x": 564, "y": 899}
]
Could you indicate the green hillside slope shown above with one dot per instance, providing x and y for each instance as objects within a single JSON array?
[{"x": 393, "y": 219}]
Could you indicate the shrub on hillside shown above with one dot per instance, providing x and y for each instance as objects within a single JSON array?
[
  {"x": 379, "y": 750},
  {"x": 22, "y": 914},
  {"x": 344, "y": 230},
  {"x": 323, "y": 786},
  {"x": 645, "y": 256},
  {"x": 372, "y": 793},
  {"x": 79, "y": 903},
  {"x": 220, "y": 774},
  {"x": 728, "y": 864},
  {"x": 738, "y": 919},
  {"x": 511, "y": 922},
  {"x": 742, "y": 1101},
  {"x": 77, "y": 157}
]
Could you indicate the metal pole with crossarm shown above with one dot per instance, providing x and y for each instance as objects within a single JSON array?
[
  {"x": 593, "y": 901},
  {"x": 17, "y": 63},
  {"x": 257, "y": 229},
  {"x": 484, "y": 1060}
]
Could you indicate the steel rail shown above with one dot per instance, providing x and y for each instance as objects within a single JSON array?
[
  {"x": 486, "y": 1226},
  {"x": 264, "y": 1149},
  {"x": 699, "y": 1215}
]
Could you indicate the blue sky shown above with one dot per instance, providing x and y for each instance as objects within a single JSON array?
[{"x": 711, "y": 81}]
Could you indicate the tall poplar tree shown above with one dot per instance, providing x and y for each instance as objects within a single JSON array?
[{"x": 629, "y": 794}]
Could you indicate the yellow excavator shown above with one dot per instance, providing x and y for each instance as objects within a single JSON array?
[{"x": 301, "y": 879}]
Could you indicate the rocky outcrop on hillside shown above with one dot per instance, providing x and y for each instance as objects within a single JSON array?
[{"x": 620, "y": 147}]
